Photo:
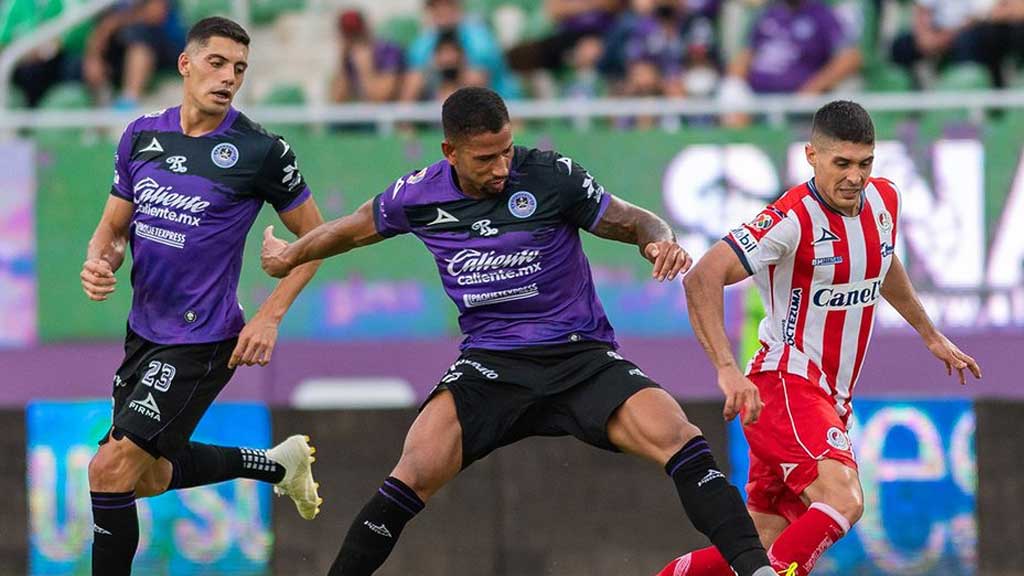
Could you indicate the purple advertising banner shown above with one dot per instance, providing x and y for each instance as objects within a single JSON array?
[{"x": 896, "y": 365}]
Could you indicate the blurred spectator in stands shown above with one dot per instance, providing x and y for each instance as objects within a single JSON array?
[
  {"x": 574, "y": 21},
  {"x": 369, "y": 70},
  {"x": 49, "y": 64},
  {"x": 450, "y": 69},
  {"x": 942, "y": 32},
  {"x": 795, "y": 47},
  {"x": 1003, "y": 37},
  {"x": 130, "y": 43},
  {"x": 476, "y": 41},
  {"x": 671, "y": 53},
  {"x": 585, "y": 81}
]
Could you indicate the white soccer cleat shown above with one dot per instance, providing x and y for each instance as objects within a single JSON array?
[{"x": 296, "y": 455}]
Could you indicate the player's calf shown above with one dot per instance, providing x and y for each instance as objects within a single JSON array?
[{"x": 113, "y": 473}]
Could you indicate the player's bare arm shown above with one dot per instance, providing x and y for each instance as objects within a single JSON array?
[
  {"x": 329, "y": 239},
  {"x": 257, "y": 340},
  {"x": 899, "y": 292},
  {"x": 705, "y": 285},
  {"x": 631, "y": 224},
  {"x": 106, "y": 249}
]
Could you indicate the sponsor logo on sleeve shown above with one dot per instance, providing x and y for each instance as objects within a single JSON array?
[{"x": 744, "y": 239}]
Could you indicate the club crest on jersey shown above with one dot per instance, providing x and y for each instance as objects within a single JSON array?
[
  {"x": 522, "y": 204},
  {"x": 837, "y": 439},
  {"x": 224, "y": 155},
  {"x": 884, "y": 222}
]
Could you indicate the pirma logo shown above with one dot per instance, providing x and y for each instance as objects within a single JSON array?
[{"x": 146, "y": 407}]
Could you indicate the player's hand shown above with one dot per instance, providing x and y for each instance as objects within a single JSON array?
[
  {"x": 669, "y": 259},
  {"x": 271, "y": 256},
  {"x": 98, "y": 279},
  {"x": 255, "y": 343},
  {"x": 953, "y": 358},
  {"x": 741, "y": 396}
]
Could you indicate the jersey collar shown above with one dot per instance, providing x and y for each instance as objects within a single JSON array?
[{"x": 817, "y": 196}]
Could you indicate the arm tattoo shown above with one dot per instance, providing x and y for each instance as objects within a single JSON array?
[{"x": 631, "y": 224}]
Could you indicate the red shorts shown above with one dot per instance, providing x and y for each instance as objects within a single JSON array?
[{"x": 798, "y": 428}]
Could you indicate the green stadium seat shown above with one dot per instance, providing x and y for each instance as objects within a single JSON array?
[
  {"x": 888, "y": 78},
  {"x": 285, "y": 94},
  {"x": 194, "y": 10},
  {"x": 266, "y": 11},
  {"x": 963, "y": 77},
  {"x": 400, "y": 30},
  {"x": 67, "y": 96}
]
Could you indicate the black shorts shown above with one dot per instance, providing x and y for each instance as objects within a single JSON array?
[
  {"x": 162, "y": 391},
  {"x": 573, "y": 389}
]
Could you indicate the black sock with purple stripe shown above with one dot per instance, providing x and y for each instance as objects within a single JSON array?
[
  {"x": 715, "y": 507},
  {"x": 376, "y": 528},
  {"x": 115, "y": 532}
]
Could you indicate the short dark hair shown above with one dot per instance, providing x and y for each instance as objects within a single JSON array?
[
  {"x": 471, "y": 111},
  {"x": 207, "y": 28},
  {"x": 845, "y": 121}
]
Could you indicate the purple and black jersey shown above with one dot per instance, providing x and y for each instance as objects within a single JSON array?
[
  {"x": 195, "y": 201},
  {"x": 513, "y": 264}
]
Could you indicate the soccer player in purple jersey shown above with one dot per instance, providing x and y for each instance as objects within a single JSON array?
[
  {"x": 539, "y": 357},
  {"x": 188, "y": 184}
]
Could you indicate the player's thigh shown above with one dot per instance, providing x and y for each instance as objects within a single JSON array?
[
  {"x": 432, "y": 454},
  {"x": 769, "y": 526},
  {"x": 155, "y": 479},
  {"x": 177, "y": 386},
  {"x": 651, "y": 424}
]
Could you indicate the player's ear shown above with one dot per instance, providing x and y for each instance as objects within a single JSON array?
[
  {"x": 448, "y": 149},
  {"x": 810, "y": 153},
  {"x": 183, "y": 64}
]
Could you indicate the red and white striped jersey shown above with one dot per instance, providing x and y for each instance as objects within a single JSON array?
[{"x": 820, "y": 274}]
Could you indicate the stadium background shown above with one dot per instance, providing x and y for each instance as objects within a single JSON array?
[{"x": 368, "y": 338}]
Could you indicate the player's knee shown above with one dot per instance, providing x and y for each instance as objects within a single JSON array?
[
  {"x": 108, "y": 472},
  {"x": 848, "y": 502}
]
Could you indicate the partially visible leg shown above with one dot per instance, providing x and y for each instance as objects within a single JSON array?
[
  {"x": 651, "y": 424},
  {"x": 139, "y": 65},
  {"x": 431, "y": 457},
  {"x": 836, "y": 503},
  {"x": 113, "y": 474},
  {"x": 709, "y": 561}
]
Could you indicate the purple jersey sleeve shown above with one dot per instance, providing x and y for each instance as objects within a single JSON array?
[
  {"x": 122, "y": 186},
  {"x": 280, "y": 182},
  {"x": 389, "y": 212},
  {"x": 581, "y": 199}
]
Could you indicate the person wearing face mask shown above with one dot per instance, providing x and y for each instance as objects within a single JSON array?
[
  {"x": 450, "y": 70},
  {"x": 794, "y": 47}
]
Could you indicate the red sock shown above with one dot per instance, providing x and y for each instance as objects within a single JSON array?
[
  {"x": 704, "y": 562},
  {"x": 805, "y": 540}
]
